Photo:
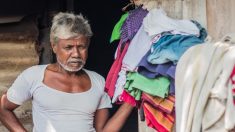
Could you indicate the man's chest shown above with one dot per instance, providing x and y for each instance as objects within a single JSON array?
[{"x": 48, "y": 99}]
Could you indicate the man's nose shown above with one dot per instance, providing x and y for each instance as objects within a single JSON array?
[{"x": 75, "y": 52}]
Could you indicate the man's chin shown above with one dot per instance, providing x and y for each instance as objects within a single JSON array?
[{"x": 72, "y": 69}]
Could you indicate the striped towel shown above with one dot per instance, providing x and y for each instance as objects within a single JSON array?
[
  {"x": 158, "y": 120},
  {"x": 159, "y": 112},
  {"x": 163, "y": 104}
]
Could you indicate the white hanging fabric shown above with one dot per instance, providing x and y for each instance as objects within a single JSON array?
[
  {"x": 157, "y": 22},
  {"x": 203, "y": 90}
]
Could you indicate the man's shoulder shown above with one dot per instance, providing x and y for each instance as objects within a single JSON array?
[
  {"x": 93, "y": 73},
  {"x": 97, "y": 79},
  {"x": 35, "y": 69}
]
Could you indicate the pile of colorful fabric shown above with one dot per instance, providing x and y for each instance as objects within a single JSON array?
[{"x": 143, "y": 73}]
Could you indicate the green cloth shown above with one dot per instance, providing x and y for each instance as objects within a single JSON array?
[
  {"x": 136, "y": 83},
  {"x": 116, "y": 30}
]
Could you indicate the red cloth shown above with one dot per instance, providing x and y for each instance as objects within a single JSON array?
[
  {"x": 115, "y": 69},
  {"x": 232, "y": 77},
  {"x": 159, "y": 112}
]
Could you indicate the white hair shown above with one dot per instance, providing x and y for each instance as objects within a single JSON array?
[{"x": 66, "y": 25}]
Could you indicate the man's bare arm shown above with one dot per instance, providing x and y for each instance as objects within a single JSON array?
[
  {"x": 8, "y": 117},
  {"x": 116, "y": 122}
]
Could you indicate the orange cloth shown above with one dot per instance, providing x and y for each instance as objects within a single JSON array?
[
  {"x": 158, "y": 120},
  {"x": 164, "y": 104}
]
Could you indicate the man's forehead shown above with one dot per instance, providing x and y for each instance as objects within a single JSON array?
[
  {"x": 75, "y": 40},
  {"x": 74, "y": 37}
]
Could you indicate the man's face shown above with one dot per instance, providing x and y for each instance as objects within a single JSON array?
[{"x": 72, "y": 53}]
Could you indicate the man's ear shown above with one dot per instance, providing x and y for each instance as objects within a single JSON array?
[{"x": 54, "y": 47}]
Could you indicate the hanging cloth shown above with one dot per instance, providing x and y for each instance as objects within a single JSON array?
[
  {"x": 232, "y": 78},
  {"x": 139, "y": 46},
  {"x": 158, "y": 120},
  {"x": 154, "y": 70},
  {"x": 132, "y": 24},
  {"x": 157, "y": 22},
  {"x": 115, "y": 69},
  {"x": 137, "y": 83},
  {"x": 163, "y": 104},
  {"x": 203, "y": 89},
  {"x": 170, "y": 47},
  {"x": 116, "y": 33}
]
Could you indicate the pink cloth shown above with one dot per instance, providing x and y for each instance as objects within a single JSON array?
[
  {"x": 126, "y": 97},
  {"x": 115, "y": 69}
]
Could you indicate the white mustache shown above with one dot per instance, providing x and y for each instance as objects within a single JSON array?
[{"x": 72, "y": 60}]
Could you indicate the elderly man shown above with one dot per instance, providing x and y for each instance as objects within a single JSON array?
[{"x": 65, "y": 96}]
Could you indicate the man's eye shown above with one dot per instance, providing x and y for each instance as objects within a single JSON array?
[
  {"x": 68, "y": 47},
  {"x": 83, "y": 47}
]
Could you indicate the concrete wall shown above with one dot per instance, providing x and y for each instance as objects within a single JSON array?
[{"x": 220, "y": 17}]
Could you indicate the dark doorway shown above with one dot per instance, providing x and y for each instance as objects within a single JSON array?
[{"x": 103, "y": 15}]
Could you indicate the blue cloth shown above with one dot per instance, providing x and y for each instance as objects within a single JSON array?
[{"x": 171, "y": 47}]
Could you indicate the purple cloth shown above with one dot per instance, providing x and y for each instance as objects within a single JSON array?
[
  {"x": 153, "y": 70},
  {"x": 132, "y": 24},
  {"x": 172, "y": 86}
]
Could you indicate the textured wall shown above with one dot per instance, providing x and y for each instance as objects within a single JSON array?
[
  {"x": 221, "y": 17},
  {"x": 17, "y": 52},
  {"x": 14, "y": 58}
]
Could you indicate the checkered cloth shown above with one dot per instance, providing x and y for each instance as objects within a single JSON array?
[{"x": 132, "y": 24}]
